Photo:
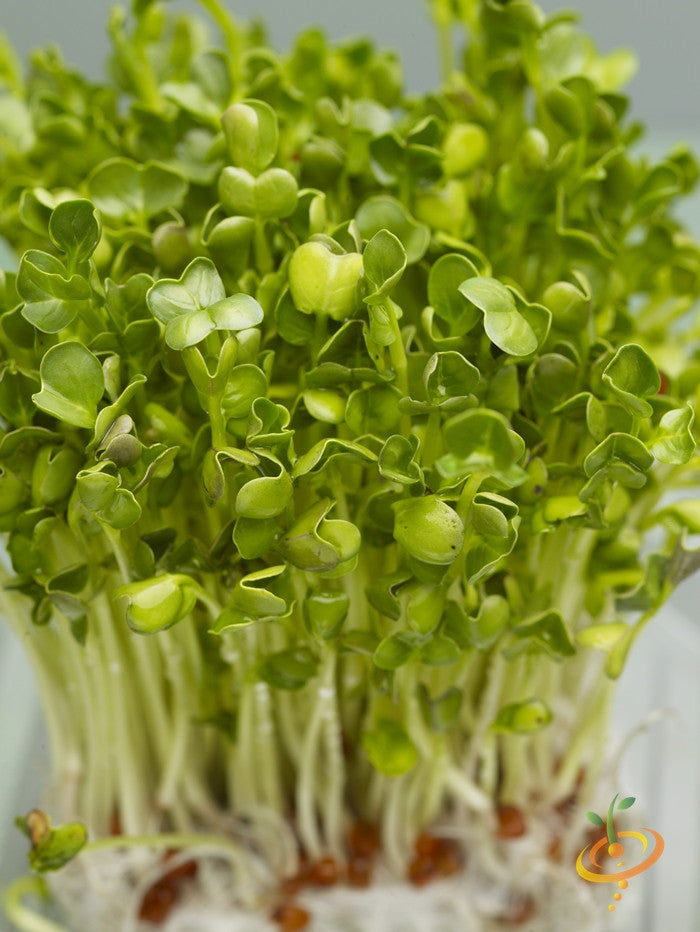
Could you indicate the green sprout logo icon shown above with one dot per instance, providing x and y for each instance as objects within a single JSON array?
[{"x": 616, "y": 849}]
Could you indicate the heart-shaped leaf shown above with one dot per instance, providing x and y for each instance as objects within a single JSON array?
[
  {"x": 383, "y": 260},
  {"x": 633, "y": 377},
  {"x": 386, "y": 213},
  {"x": 274, "y": 193},
  {"x": 194, "y": 305},
  {"x": 75, "y": 229},
  {"x": 52, "y": 297},
  {"x": 321, "y": 282},
  {"x": 450, "y": 305},
  {"x": 72, "y": 384},
  {"x": 505, "y": 326},
  {"x": 127, "y": 192}
]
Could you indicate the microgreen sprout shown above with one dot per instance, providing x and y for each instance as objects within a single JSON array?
[{"x": 348, "y": 438}]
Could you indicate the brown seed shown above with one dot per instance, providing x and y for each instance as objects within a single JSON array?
[
  {"x": 426, "y": 845},
  {"x": 290, "y": 886},
  {"x": 449, "y": 859},
  {"x": 511, "y": 822},
  {"x": 115, "y": 824},
  {"x": 421, "y": 871},
  {"x": 185, "y": 871},
  {"x": 158, "y": 902},
  {"x": 291, "y": 918},
  {"x": 38, "y": 825},
  {"x": 363, "y": 839},
  {"x": 325, "y": 872},
  {"x": 554, "y": 849},
  {"x": 520, "y": 909},
  {"x": 359, "y": 872},
  {"x": 566, "y": 806}
]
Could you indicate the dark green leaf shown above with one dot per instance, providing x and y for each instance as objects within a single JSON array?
[
  {"x": 75, "y": 229},
  {"x": 289, "y": 669}
]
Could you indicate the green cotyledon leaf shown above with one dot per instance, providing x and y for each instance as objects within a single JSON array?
[
  {"x": 505, "y": 326},
  {"x": 382, "y": 212},
  {"x": 128, "y": 192},
  {"x": 445, "y": 297},
  {"x": 72, "y": 384},
  {"x": 289, "y": 669},
  {"x": 522, "y": 717},
  {"x": 157, "y": 603},
  {"x": 51, "y": 847},
  {"x": 323, "y": 282},
  {"x": 633, "y": 377},
  {"x": 252, "y": 134},
  {"x": 196, "y": 304},
  {"x": 673, "y": 441},
  {"x": 75, "y": 228},
  {"x": 274, "y": 193},
  {"x": 383, "y": 260},
  {"x": 389, "y": 748},
  {"x": 429, "y": 529},
  {"x": 53, "y": 298},
  {"x": 253, "y": 599}
]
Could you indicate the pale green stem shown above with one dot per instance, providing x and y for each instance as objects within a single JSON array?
[
  {"x": 516, "y": 783},
  {"x": 306, "y": 786},
  {"x": 393, "y": 820},
  {"x": 133, "y": 804},
  {"x": 215, "y": 845},
  {"x": 488, "y": 709},
  {"x": 224, "y": 20},
  {"x": 263, "y": 256},
  {"x": 472, "y": 796},
  {"x": 267, "y": 749},
  {"x": 591, "y": 724},
  {"x": 168, "y": 793},
  {"x": 92, "y": 791},
  {"x": 432, "y": 442},
  {"x": 397, "y": 352},
  {"x": 20, "y": 915},
  {"x": 335, "y": 766},
  {"x": 446, "y": 50}
]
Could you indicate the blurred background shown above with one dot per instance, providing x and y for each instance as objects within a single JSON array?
[{"x": 663, "y": 764}]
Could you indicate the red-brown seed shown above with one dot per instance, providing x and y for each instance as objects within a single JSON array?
[
  {"x": 115, "y": 824},
  {"x": 185, "y": 871},
  {"x": 325, "y": 872},
  {"x": 554, "y": 849},
  {"x": 421, "y": 871},
  {"x": 566, "y": 806},
  {"x": 363, "y": 839},
  {"x": 511, "y": 822},
  {"x": 449, "y": 859},
  {"x": 359, "y": 872},
  {"x": 290, "y": 917},
  {"x": 158, "y": 902},
  {"x": 426, "y": 845},
  {"x": 290, "y": 886},
  {"x": 520, "y": 909}
]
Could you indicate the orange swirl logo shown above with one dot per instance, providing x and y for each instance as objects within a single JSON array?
[{"x": 638, "y": 860}]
